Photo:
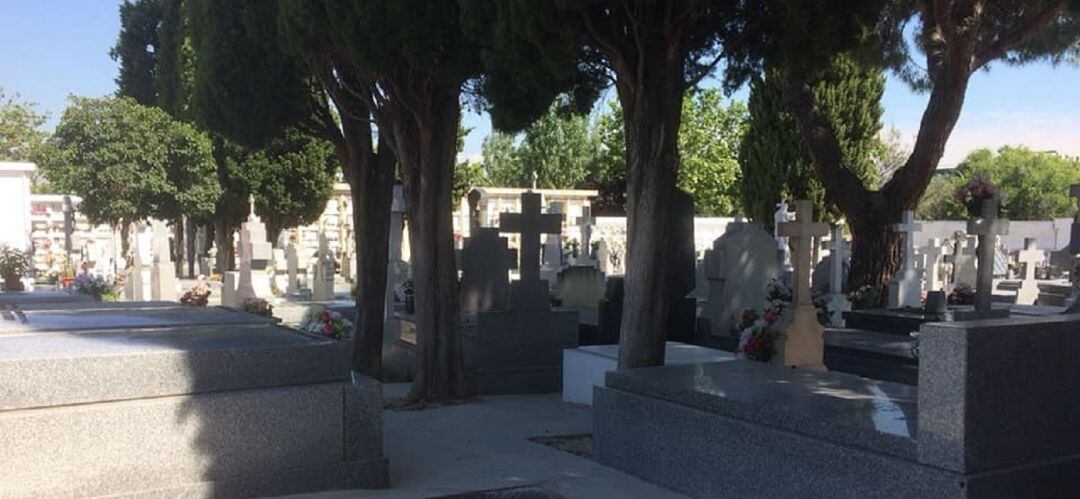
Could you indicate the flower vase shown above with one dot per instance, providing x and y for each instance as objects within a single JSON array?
[{"x": 12, "y": 283}]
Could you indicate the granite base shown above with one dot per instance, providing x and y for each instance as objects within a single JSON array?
[{"x": 519, "y": 351}]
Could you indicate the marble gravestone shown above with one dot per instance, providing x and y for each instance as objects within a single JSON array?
[
  {"x": 134, "y": 288},
  {"x": 162, "y": 270},
  {"x": 837, "y": 300},
  {"x": 802, "y": 344},
  {"x": 159, "y": 399},
  {"x": 1029, "y": 258},
  {"x": 553, "y": 245},
  {"x": 292, "y": 264},
  {"x": 585, "y": 224},
  {"x": 934, "y": 252},
  {"x": 519, "y": 350},
  {"x": 987, "y": 227},
  {"x": 255, "y": 255},
  {"x": 322, "y": 285},
  {"x": 905, "y": 289},
  {"x": 783, "y": 216},
  {"x": 485, "y": 262},
  {"x": 964, "y": 261},
  {"x": 738, "y": 268}
]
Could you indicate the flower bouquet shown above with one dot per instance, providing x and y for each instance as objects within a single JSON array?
[
  {"x": 963, "y": 294},
  {"x": 974, "y": 192},
  {"x": 197, "y": 296},
  {"x": 258, "y": 306},
  {"x": 757, "y": 335},
  {"x": 324, "y": 322},
  {"x": 94, "y": 285}
]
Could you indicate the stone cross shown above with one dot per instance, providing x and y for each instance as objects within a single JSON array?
[
  {"x": 1029, "y": 257},
  {"x": 133, "y": 289},
  {"x": 485, "y": 262},
  {"x": 530, "y": 223},
  {"x": 780, "y": 217},
  {"x": 906, "y": 288},
  {"x": 934, "y": 253},
  {"x": 322, "y": 289},
  {"x": 553, "y": 245},
  {"x": 585, "y": 222},
  {"x": 987, "y": 227},
  {"x": 802, "y": 344}
]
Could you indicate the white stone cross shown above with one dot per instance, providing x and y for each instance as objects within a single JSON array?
[
  {"x": 530, "y": 223},
  {"x": 934, "y": 252},
  {"x": 988, "y": 226},
  {"x": 585, "y": 222},
  {"x": 1029, "y": 257},
  {"x": 802, "y": 231}
]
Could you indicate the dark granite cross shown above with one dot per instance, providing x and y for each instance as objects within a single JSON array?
[{"x": 530, "y": 223}]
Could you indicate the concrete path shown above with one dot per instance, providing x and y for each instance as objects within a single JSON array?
[{"x": 483, "y": 446}]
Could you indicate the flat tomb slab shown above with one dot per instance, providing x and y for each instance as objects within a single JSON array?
[
  {"x": 584, "y": 367},
  {"x": 28, "y": 297},
  {"x": 114, "y": 317},
  {"x": 875, "y": 415},
  {"x": 50, "y": 369}
]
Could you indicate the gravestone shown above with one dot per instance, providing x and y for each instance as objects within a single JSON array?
[
  {"x": 738, "y": 269},
  {"x": 348, "y": 257},
  {"x": 553, "y": 246},
  {"x": 837, "y": 300},
  {"x": 485, "y": 262},
  {"x": 159, "y": 399},
  {"x": 603, "y": 256},
  {"x": 162, "y": 271},
  {"x": 1029, "y": 258},
  {"x": 782, "y": 216},
  {"x": 530, "y": 224},
  {"x": 322, "y": 286},
  {"x": 230, "y": 281},
  {"x": 394, "y": 267},
  {"x": 519, "y": 350},
  {"x": 964, "y": 261},
  {"x": 609, "y": 316},
  {"x": 681, "y": 270},
  {"x": 134, "y": 288},
  {"x": 580, "y": 286},
  {"x": 905, "y": 289},
  {"x": 585, "y": 223},
  {"x": 987, "y": 227},
  {"x": 292, "y": 264},
  {"x": 934, "y": 252},
  {"x": 802, "y": 344},
  {"x": 255, "y": 255}
]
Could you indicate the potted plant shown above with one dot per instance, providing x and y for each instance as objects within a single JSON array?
[{"x": 13, "y": 266}]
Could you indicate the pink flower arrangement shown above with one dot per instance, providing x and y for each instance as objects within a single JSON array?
[{"x": 324, "y": 322}]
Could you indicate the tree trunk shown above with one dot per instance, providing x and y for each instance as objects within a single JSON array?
[
  {"x": 179, "y": 246},
  {"x": 651, "y": 99},
  {"x": 371, "y": 181},
  {"x": 223, "y": 240},
  {"x": 876, "y": 249},
  {"x": 125, "y": 241},
  {"x": 425, "y": 141}
]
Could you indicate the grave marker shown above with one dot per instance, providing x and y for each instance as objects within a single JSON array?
[
  {"x": 322, "y": 289},
  {"x": 987, "y": 227},
  {"x": 802, "y": 344},
  {"x": 530, "y": 224},
  {"x": 905, "y": 290},
  {"x": 485, "y": 262},
  {"x": 838, "y": 301},
  {"x": 934, "y": 253},
  {"x": 162, "y": 271},
  {"x": 1029, "y": 257}
]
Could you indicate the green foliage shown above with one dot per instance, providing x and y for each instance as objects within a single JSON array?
[
  {"x": 709, "y": 138},
  {"x": 561, "y": 148},
  {"x": 776, "y": 163},
  {"x": 1034, "y": 184},
  {"x": 129, "y": 162},
  {"x": 136, "y": 50},
  {"x": 20, "y": 136}
]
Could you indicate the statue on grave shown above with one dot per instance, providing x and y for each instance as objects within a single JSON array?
[{"x": 782, "y": 216}]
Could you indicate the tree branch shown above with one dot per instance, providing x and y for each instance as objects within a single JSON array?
[{"x": 1017, "y": 36}]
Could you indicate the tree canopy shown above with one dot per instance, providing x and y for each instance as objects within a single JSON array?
[
  {"x": 1034, "y": 184},
  {"x": 129, "y": 162},
  {"x": 775, "y": 160},
  {"x": 20, "y": 132}
]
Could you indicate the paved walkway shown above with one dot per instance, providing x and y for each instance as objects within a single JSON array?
[{"x": 483, "y": 446}]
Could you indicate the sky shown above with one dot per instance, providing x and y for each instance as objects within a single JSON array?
[{"x": 50, "y": 49}]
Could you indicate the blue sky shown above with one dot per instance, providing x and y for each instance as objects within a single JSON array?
[{"x": 52, "y": 48}]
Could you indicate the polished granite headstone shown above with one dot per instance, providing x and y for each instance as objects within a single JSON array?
[
  {"x": 987, "y": 420},
  {"x": 156, "y": 399}
]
